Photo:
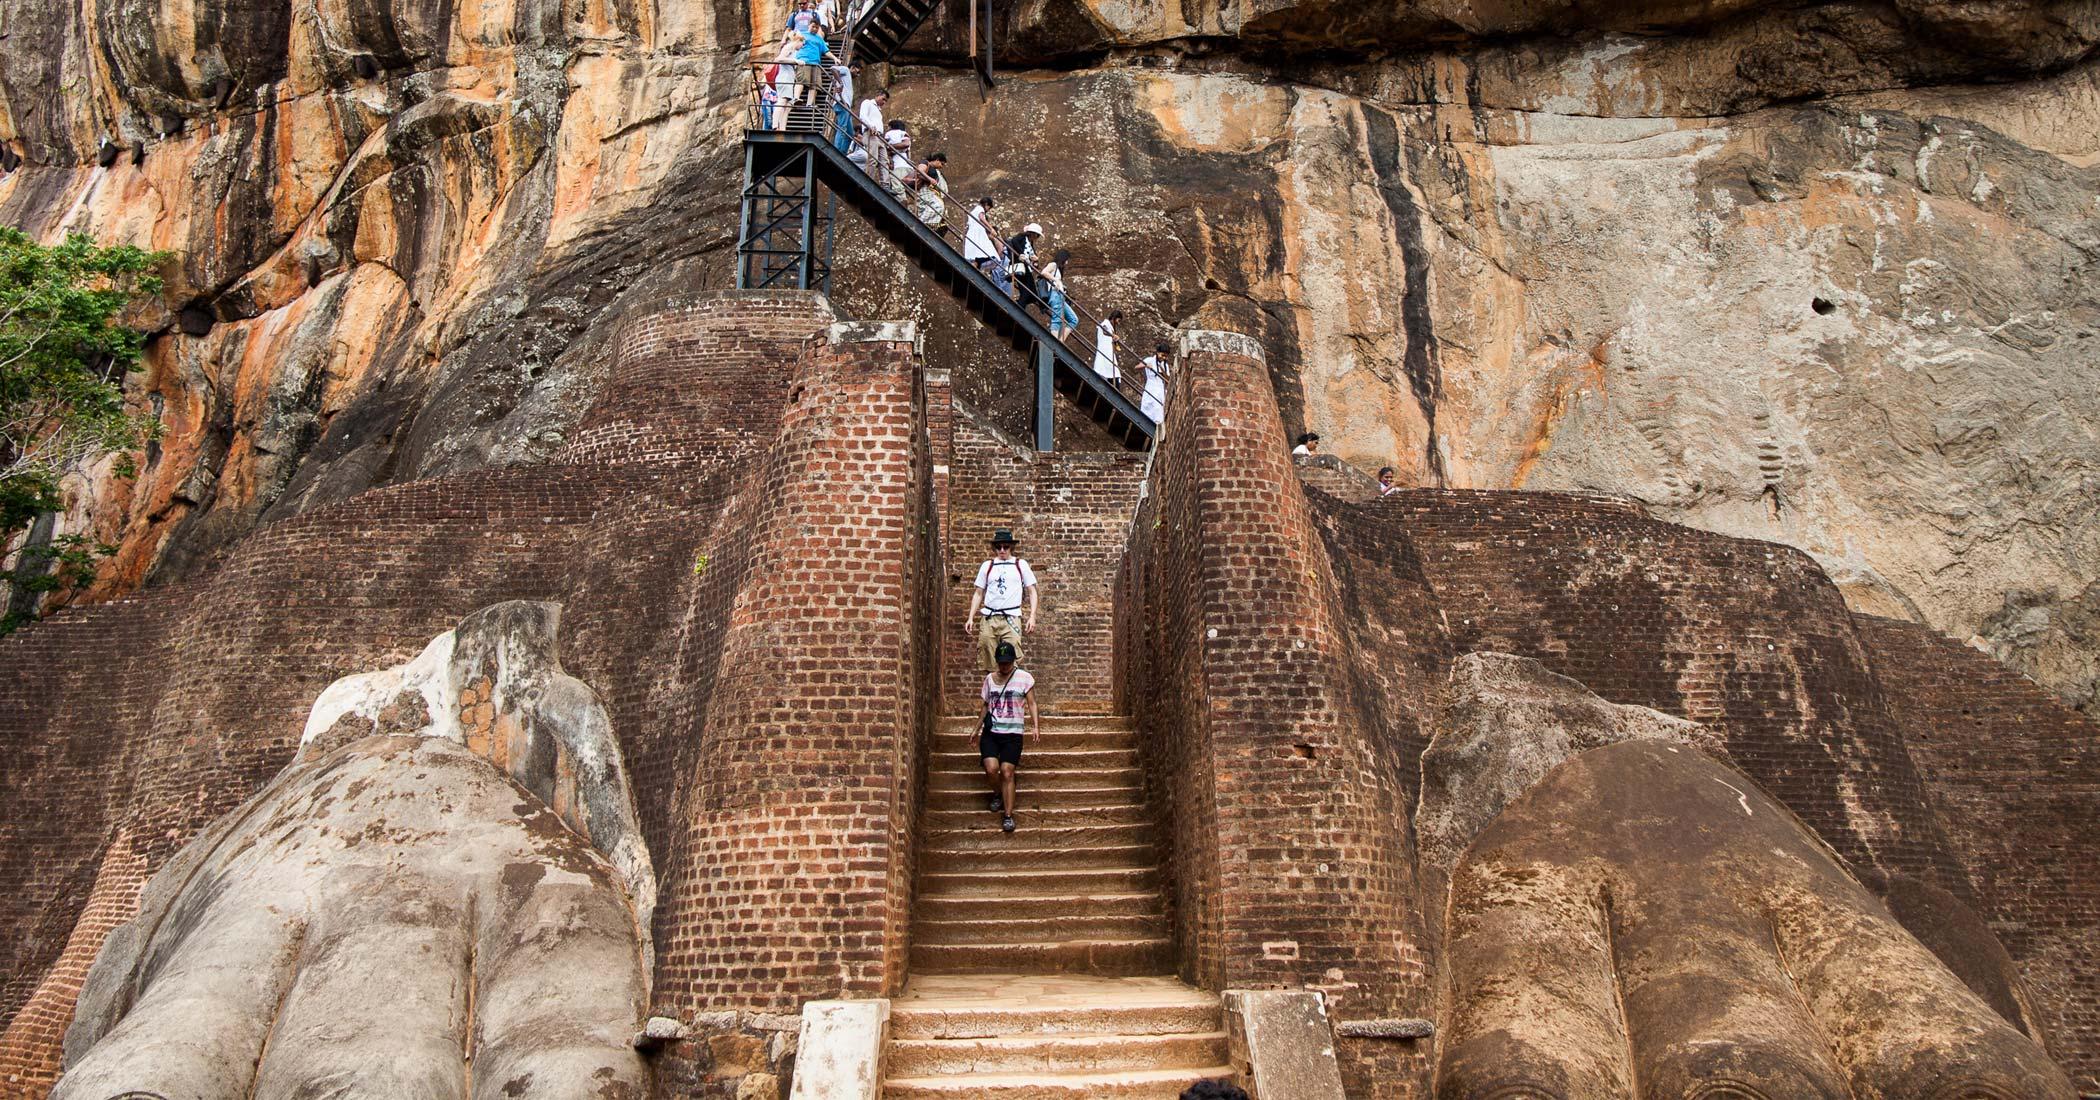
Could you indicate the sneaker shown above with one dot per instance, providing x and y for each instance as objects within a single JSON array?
[
  {"x": 998, "y": 804},
  {"x": 1007, "y": 823}
]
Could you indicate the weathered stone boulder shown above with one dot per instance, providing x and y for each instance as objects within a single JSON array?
[
  {"x": 1645, "y": 914},
  {"x": 444, "y": 894}
]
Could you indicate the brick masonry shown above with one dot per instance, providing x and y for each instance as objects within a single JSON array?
[
  {"x": 1071, "y": 511},
  {"x": 2015, "y": 777},
  {"x": 1290, "y": 858},
  {"x": 769, "y": 787}
]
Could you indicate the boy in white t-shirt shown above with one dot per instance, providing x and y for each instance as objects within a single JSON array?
[
  {"x": 1009, "y": 714},
  {"x": 1004, "y": 584}
]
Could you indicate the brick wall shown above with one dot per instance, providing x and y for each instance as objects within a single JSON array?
[
  {"x": 148, "y": 718},
  {"x": 1290, "y": 858},
  {"x": 1748, "y": 638},
  {"x": 2015, "y": 776},
  {"x": 1071, "y": 511}
]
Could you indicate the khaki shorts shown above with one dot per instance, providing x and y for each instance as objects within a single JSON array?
[{"x": 993, "y": 629}]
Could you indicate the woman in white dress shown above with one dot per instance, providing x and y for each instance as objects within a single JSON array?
[
  {"x": 1154, "y": 402},
  {"x": 1105, "y": 345}
]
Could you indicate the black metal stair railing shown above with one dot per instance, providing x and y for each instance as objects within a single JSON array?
[{"x": 800, "y": 140}]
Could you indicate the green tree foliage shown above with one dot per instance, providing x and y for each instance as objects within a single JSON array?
[{"x": 63, "y": 358}]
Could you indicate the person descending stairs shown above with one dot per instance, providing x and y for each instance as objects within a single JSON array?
[{"x": 1041, "y": 961}]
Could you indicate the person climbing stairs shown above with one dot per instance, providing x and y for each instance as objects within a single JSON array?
[{"x": 1041, "y": 961}]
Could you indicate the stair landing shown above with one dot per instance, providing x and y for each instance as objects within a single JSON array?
[{"x": 1051, "y": 1037}]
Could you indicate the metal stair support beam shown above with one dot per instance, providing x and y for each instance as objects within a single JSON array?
[
  {"x": 785, "y": 228},
  {"x": 1045, "y": 392}
]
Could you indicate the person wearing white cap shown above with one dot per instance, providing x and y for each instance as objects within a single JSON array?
[
  {"x": 1020, "y": 253},
  {"x": 901, "y": 171}
]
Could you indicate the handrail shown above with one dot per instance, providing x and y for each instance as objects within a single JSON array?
[{"x": 805, "y": 117}]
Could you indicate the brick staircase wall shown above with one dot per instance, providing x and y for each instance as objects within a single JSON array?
[
  {"x": 1290, "y": 863},
  {"x": 2015, "y": 776},
  {"x": 1071, "y": 511},
  {"x": 143, "y": 720}
]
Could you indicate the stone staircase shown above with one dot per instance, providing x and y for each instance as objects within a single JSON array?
[{"x": 1039, "y": 957}]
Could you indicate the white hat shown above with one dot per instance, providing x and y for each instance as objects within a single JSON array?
[{"x": 1032, "y": 227}]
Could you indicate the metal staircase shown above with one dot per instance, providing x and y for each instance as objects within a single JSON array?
[
  {"x": 882, "y": 31},
  {"x": 791, "y": 172}
]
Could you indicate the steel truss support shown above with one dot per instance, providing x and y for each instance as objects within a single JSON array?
[{"x": 788, "y": 225}]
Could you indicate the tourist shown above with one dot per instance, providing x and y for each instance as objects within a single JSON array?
[
  {"x": 977, "y": 232},
  {"x": 1105, "y": 345},
  {"x": 809, "y": 59},
  {"x": 871, "y": 129},
  {"x": 1004, "y": 583},
  {"x": 781, "y": 74},
  {"x": 1386, "y": 487},
  {"x": 1156, "y": 368},
  {"x": 898, "y": 174},
  {"x": 828, "y": 12},
  {"x": 842, "y": 107},
  {"x": 933, "y": 192},
  {"x": 1309, "y": 443},
  {"x": 1020, "y": 252},
  {"x": 1010, "y": 714},
  {"x": 800, "y": 19},
  {"x": 1213, "y": 1088},
  {"x": 1063, "y": 318}
]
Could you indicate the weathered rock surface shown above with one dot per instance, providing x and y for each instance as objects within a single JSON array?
[
  {"x": 379, "y": 912},
  {"x": 1785, "y": 271},
  {"x": 1645, "y": 914},
  {"x": 444, "y": 894}
]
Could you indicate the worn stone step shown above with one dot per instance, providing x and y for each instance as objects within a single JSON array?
[
  {"x": 1038, "y": 779},
  {"x": 1153, "y": 955},
  {"x": 1052, "y": 723},
  {"x": 1023, "y": 852},
  {"x": 1055, "y": 1054},
  {"x": 1069, "y": 741},
  {"x": 980, "y": 832},
  {"x": 969, "y": 762},
  {"x": 1039, "y": 798},
  {"x": 1034, "y": 883},
  {"x": 1128, "y": 813},
  {"x": 1075, "y": 924},
  {"x": 966, "y": 1006},
  {"x": 1010, "y": 907},
  {"x": 1155, "y": 1084}
]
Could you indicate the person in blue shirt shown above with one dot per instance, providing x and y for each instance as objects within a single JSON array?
[
  {"x": 809, "y": 65},
  {"x": 802, "y": 17}
]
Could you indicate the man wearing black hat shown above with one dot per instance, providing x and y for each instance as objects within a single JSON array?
[{"x": 1004, "y": 583}]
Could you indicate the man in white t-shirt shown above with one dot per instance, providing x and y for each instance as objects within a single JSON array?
[
  {"x": 1010, "y": 714},
  {"x": 1005, "y": 584}
]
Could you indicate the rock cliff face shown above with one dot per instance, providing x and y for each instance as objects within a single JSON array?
[{"x": 1815, "y": 273}]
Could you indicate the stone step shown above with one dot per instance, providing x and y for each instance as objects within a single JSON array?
[
  {"x": 1046, "y": 741},
  {"x": 1138, "y": 903},
  {"x": 980, "y": 832},
  {"x": 1076, "y": 924},
  {"x": 968, "y": 761},
  {"x": 1152, "y": 955},
  {"x": 1037, "y": 779},
  {"x": 1054, "y": 1054},
  {"x": 1032, "y": 883},
  {"x": 1052, "y": 723},
  {"x": 1022, "y": 853},
  {"x": 1038, "y": 798},
  {"x": 1152, "y": 1084},
  {"x": 1042, "y": 817},
  {"x": 992, "y": 1022}
]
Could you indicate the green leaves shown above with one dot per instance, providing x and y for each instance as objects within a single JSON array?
[{"x": 63, "y": 359}]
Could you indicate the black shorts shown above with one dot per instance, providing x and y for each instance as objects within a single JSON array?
[{"x": 1003, "y": 747}]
